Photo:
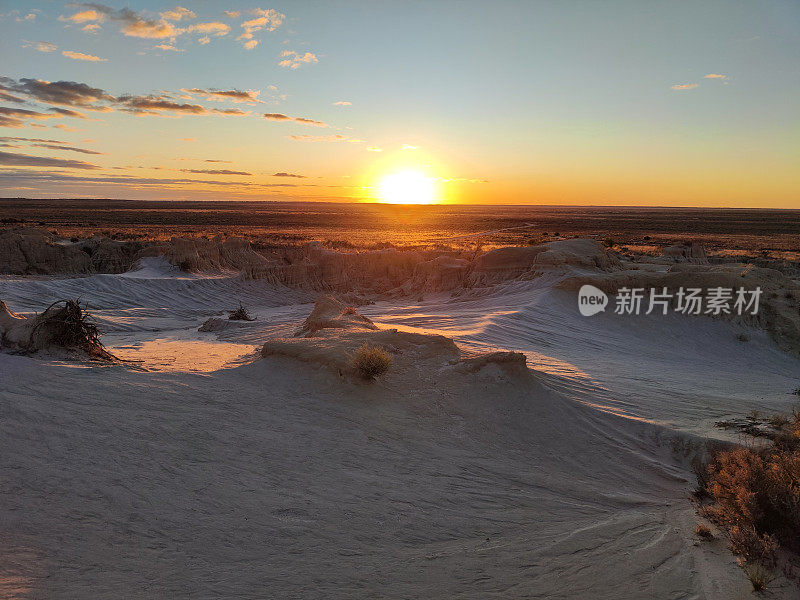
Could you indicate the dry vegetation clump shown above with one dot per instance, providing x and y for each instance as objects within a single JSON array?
[
  {"x": 240, "y": 314},
  {"x": 68, "y": 326},
  {"x": 703, "y": 532},
  {"x": 754, "y": 495},
  {"x": 370, "y": 361}
]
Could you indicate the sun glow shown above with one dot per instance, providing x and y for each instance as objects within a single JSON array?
[{"x": 407, "y": 187}]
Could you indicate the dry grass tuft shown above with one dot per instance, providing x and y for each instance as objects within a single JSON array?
[
  {"x": 758, "y": 577},
  {"x": 370, "y": 361}
]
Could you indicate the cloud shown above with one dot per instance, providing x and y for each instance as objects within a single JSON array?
[
  {"x": 23, "y": 113},
  {"x": 685, "y": 86},
  {"x": 269, "y": 19},
  {"x": 374, "y": 149},
  {"x": 318, "y": 138},
  {"x": 85, "y": 16},
  {"x": 715, "y": 76},
  {"x": 66, "y": 93},
  {"x": 342, "y": 103},
  {"x": 90, "y": 27},
  {"x": 20, "y": 160},
  {"x": 27, "y": 139},
  {"x": 41, "y": 46},
  {"x": 178, "y": 14},
  {"x": 11, "y": 122},
  {"x": 248, "y": 96},
  {"x": 282, "y": 174},
  {"x": 131, "y": 23},
  {"x": 81, "y": 56},
  {"x": 409, "y": 147},
  {"x": 233, "y": 14},
  {"x": 213, "y": 160},
  {"x": 190, "y": 139},
  {"x": 153, "y": 105},
  {"x": 168, "y": 47},
  {"x": 301, "y": 120},
  {"x": 63, "y": 127},
  {"x": 204, "y": 40},
  {"x": 293, "y": 60},
  {"x": 216, "y": 172},
  {"x": 214, "y": 28},
  {"x": 65, "y": 112},
  {"x": 234, "y": 112},
  {"x": 6, "y": 97},
  {"x": 62, "y": 147}
]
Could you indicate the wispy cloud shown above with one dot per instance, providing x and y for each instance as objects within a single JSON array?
[
  {"x": 294, "y": 60},
  {"x": 178, "y": 14},
  {"x": 319, "y": 138},
  {"x": 63, "y": 147},
  {"x": 685, "y": 86},
  {"x": 216, "y": 172},
  {"x": 715, "y": 76},
  {"x": 80, "y": 56},
  {"x": 25, "y": 160},
  {"x": 342, "y": 103},
  {"x": 283, "y": 174},
  {"x": 41, "y": 46},
  {"x": 248, "y": 96},
  {"x": 301, "y": 120}
]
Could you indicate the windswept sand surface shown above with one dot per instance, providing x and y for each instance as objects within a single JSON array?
[{"x": 206, "y": 471}]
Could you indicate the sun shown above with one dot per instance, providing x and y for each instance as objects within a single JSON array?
[{"x": 407, "y": 187}]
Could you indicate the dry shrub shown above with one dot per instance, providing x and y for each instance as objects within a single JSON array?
[
  {"x": 240, "y": 314},
  {"x": 756, "y": 497},
  {"x": 68, "y": 326},
  {"x": 370, "y": 361},
  {"x": 703, "y": 532}
]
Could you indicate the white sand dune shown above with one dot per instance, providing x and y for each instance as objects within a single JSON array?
[{"x": 208, "y": 471}]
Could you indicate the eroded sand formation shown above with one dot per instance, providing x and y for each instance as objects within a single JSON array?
[
  {"x": 333, "y": 332},
  {"x": 359, "y": 277}
]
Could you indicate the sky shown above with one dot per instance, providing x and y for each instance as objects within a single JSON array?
[{"x": 663, "y": 103}]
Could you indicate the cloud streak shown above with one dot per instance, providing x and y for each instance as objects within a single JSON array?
[
  {"x": 301, "y": 120},
  {"x": 81, "y": 56},
  {"x": 18, "y": 160}
]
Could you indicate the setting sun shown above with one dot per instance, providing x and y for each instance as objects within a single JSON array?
[{"x": 407, "y": 187}]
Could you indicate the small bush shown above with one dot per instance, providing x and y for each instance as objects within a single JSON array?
[
  {"x": 756, "y": 496},
  {"x": 758, "y": 577},
  {"x": 609, "y": 242},
  {"x": 240, "y": 314},
  {"x": 703, "y": 532},
  {"x": 370, "y": 361}
]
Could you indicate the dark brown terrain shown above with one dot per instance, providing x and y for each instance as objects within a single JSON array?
[{"x": 748, "y": 232}]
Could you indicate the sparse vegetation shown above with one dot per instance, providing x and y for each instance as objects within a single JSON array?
[
  {"x": 754, "y": 494},
  {"x": 370, "y": 361},
  {"x": 609, "y": 242},
  {"x": 240, "y": 314},
  {"x": 758, "y": 576},
  {"x": 703, "y": 532},
  {"x": 68, "y": 326}
]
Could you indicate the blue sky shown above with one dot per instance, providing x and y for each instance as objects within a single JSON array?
[{"x": 508, "y": 102}]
